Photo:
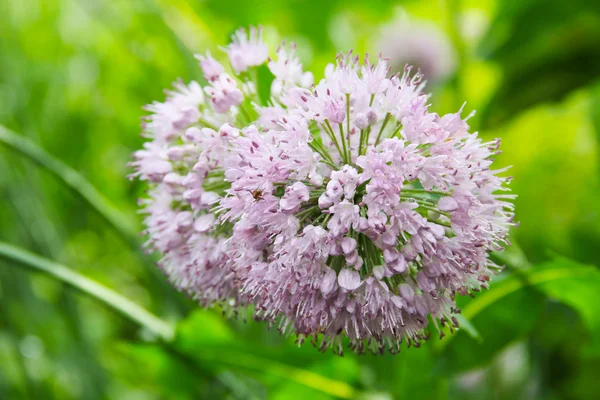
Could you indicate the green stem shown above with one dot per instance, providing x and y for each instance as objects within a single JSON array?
[
  {"x": 208, "y": 124},
  {"x": 216, "y": 186},
  {"x": 342, "y": 136},
  {"x": 324, "y": 157},
  {"x": 435, "y": 210},
  {"x": 329, "y": 130},
  {"x": 406, "y": 190},
  {"x": 332, "y": 165},
  {"x": 396, "y": 130},
  {"x": 90, "y": 287},
  {"x": 367, "y": 137},
  {"x": 419, "y": 200},
  {"x": 385, "y": 122},
  {"x": 325, "y": 152},
  {"x": 315, "y": 194},
  {"x": 360, "y": 143},
  {"x": 348, "y": 127},
  {"x": 442, "y": 223},
  {"x": 305, "y": 213},
  {"x": 245, "y": 113}
]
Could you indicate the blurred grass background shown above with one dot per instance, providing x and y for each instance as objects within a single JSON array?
[{"x": 73, "y": 77}]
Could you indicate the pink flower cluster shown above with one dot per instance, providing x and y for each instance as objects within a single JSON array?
[{"x": 341, "y": 209}]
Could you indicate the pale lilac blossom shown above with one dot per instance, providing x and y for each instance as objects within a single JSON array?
[
  {"x": 247, "y": 49},
  {"x": 224, "y": 93},
  {"x": 347, "y": 209},
  {"x": 211, "y": 68}
]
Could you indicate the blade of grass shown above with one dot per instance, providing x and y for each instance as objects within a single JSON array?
[
  {"x": 166, "y": 331},
  {"x": 119, "y": 221},
  {"x": 124, "y": 306},
  {"x": 514, "y": 283},
  {"x": 75, "y": 181},
  {"x": 27, "y": 202},
  {"x": 511, "y": 285},
  {"x": 90, "y": 287}
]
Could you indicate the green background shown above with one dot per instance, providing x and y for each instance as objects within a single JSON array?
[{"x": 74, "y": 75}]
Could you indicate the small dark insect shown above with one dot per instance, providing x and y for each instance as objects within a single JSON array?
[{"x": 257, "y": 194}]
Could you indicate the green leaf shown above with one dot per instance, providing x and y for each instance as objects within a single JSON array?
[
  {"x": 203, "y": 328},
  {"x": 75, "y": 181},
  {"x": 509, "y": 309},
  {"x": 546, "y": 49},
  {"x": 119, "y": 303},
  {"x": 162, "y": 372},
  {"x": 503, "y": 315},
  {"x": 120, "y": 222},
  {"x": 467, "y": 326},
  {"x": 245, "y": 361},
  {"x": 208, "y": 340},
  {"x": 176, "y": 375},
  {"x": 579, "y": 291},
  {"x": 344, "y": 369},
  {"x": 554, "y": 146},
  {"x": 595, "y": 111}
]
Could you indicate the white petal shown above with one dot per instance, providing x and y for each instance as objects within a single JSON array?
[
  {"x": 398, "y": 302},
  {"x": 328, "y": 282},
  {"x": 447, "y": 204},
  {"x": 348, "y": 245},
  {"x": 399, "y": 265},
  {"x": 407, "y": 292},
  {"x": 349, "y": 279},
  {"x": 204, "y": 222},
  {"x": 288, "y": 204},
  {"x": 437, "y": 230}
]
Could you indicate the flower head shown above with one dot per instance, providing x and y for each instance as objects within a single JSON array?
[{"x": 345, "y": 209}]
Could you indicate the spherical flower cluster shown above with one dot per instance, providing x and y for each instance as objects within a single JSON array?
[{"x": 341, "y": 209}]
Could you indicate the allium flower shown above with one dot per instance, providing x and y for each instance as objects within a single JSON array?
[
  {"x": 343, "y": 209},
  {"x": 420, "y": 44}
]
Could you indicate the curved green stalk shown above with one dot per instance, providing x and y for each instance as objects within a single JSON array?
[
  {"x": 348, "y": 128},
  {"x": 166, "y": 331},
  {"x": 383, "y": 125},
  {"x": 119, "y": 221},
  {"x": 511, "y": 285},
  {"x": 329, "y": 130},
  {"x": 516, "y": 282},
  {"x": 74, "y": 181},
  {"x": 90, "y": 287}
]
